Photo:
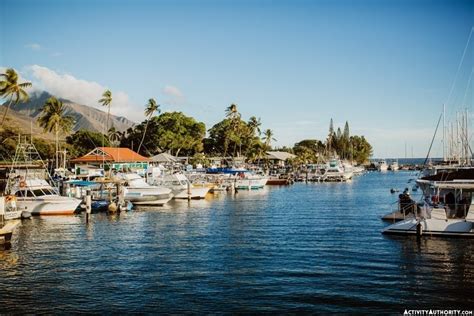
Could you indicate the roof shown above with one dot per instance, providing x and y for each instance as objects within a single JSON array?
[
  {"x": 111, "y": 154},
  {"x": 163, "y": 157},
  {"x": 279, "y": 155}
]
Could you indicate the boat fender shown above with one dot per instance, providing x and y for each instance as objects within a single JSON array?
[{"x": 22, "y": 184}]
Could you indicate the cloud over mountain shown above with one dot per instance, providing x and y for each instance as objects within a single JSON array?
[{"x": 67, "y": 86}]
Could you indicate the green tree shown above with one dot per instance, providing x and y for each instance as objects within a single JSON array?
[
  {"x": 170, "y": 131},
  {"x": 114, "y": 135},
  {"x": 83, "y": 141},
  {"x": 362, "y": 150},
  {"x": 150, "y": 110},
  {"x": 12, "y": 90},
  {"x": 268, "y": 138},
  {"x": 106, "y": 100},
  {"x": 53, "y": 119}
]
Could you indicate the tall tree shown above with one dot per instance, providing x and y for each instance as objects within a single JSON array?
[
  {"x": 83, "y": 141},
  {"x": 268, "y": 138},
  {"x": 12, "y": 89},
  {"x": 254, "y": 124},
  {"x": 114, "y": 135},
  {"x": 346, "y": 131},
  {"x": 150, "y": 110},
  {"x": 233, "y": 114},
  {"x": 53, "y": 119},
  {"x": 106, "y": 101}
]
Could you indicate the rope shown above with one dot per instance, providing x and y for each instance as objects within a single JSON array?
[
  {"x": 459, "y": 66},
  {"x": 432, "y": 140}
]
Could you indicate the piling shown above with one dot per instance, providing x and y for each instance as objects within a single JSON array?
[
  {"x": 88, "y": 205},
  {"x": 2, "y": 211},
  {"x": 189, "y": 191}
]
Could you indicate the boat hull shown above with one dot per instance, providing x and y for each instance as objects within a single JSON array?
[
  {"x": 433, "y": 227},
  {"x": 250, "y": 184},
  {"x": 43, "y": 207},
  {"x": 148, "y": 196},
  {"x": 195, "y": 194}
]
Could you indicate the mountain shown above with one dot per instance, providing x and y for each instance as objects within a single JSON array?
[
  {"x": 24, "y": 124},
  {"x": 85, "y": 117}
]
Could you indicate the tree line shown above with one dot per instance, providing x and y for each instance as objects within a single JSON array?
[{"x": 172, "y": 132}]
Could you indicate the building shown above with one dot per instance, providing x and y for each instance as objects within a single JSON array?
[
  {"x": 111, "y": 158},
  {"x": 279, "y": 158}
]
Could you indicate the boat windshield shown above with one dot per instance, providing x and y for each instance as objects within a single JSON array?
[{"x": 34, "y": 193}]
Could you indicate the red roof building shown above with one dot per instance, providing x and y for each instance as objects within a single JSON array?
[{"x": 110, "y": 155}]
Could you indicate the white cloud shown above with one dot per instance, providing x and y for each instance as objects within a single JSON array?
[
  {"x": 56, "y": 54},
  {"x": 33, "y": 46},
  {"x": 81, "y": 91},
  {"x": 174, "y": 95}
]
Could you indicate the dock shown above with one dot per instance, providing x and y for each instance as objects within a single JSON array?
[{"x": 6, "y": 231}]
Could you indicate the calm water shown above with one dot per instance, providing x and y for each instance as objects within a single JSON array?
[{"x": 307, "y": 247}]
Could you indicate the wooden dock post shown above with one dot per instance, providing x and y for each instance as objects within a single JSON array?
[
  {"x": 88, "y": 205},
  {"x": 189, "y": 191},
  {"x": 2, "y": 210}
]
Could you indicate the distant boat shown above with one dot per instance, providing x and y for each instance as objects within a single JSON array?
[
  {"x": 250, "y": 181},
  {"x": 394, "y": 166},
  {"x": 336, "y": 171},
  {"x": 181, "y": 188},
  {"x": 382, "y": 165}
]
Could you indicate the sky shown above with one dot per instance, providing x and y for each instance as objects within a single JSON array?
[{"x": 386, "y": 67}]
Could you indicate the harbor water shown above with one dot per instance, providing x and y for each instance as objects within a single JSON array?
[{"x": 313, "y": 247}]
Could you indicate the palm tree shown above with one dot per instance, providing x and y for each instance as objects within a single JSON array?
[
  {"x": 232, "y": 112},
  {"x": 106, "y": 101},
  {"x": 114, "y": 135},
  {"x": 151, "y": 108},
  {"x": 268, "y": 137},
  {"x": 10, "y": 88},
  {"x": 254, "y": 124},
  {"x": 52, "y": 119}
]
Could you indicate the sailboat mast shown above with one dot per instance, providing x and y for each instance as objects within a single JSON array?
[{"x": 444, "y": 132}]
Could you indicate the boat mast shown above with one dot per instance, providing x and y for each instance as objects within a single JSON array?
[{"x": 444, "y": 133}]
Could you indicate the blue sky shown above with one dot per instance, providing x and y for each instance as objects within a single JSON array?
[{"x": 385, "y": 66}]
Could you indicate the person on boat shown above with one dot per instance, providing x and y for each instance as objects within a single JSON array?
[{"x": 407, "y": 205}]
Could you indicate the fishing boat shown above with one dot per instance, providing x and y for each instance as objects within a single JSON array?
[
  {"x": 249, "y": 181},
  {"x": 27, "y": 181},
  {"x": 382, "y": 165},
  {"x": 394, "y": 166},
  {"x": 181, "y": 187},
  {"x": 335, "y": 171},
  {"x": 38, "y": 197},
  {"x": 137, "y": 191}
]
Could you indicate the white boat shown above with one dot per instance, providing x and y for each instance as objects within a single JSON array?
[
  {"x": 394, "y": 165},
  {"x": 382, "y": 165},
  {"x": 447, "y": 211},
  {"x": 9, "y": 208},
  {"x": 249, "y": 181},
  {"x": 137, "y": 191},
  {"x": 179, "y": 184},
  {"x": 38, "y": 197},
  {"x": 335, "y": 171}
]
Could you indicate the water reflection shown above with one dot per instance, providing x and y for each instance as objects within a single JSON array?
[{"x": 303, "y": 248}]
